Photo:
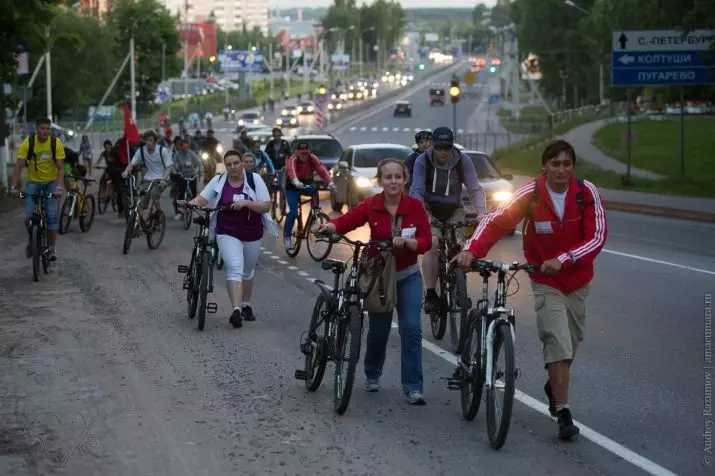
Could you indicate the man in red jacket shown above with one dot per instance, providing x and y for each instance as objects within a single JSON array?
[{"x": 565, "y": 230}]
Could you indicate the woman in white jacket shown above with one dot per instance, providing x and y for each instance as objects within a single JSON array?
[{"x": 238, "y": 231}]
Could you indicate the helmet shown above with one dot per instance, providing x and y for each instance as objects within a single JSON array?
[{"x": 423, "y": 134}]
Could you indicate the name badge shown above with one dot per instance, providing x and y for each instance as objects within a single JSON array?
[
  {"x": 237, "y": 197},
  {"x": 409, "y": 232},
  {"x": 46, "y": 156},
  {"x": 543, "y": 227}
]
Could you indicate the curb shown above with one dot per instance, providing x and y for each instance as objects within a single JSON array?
[{"x": 677, "y": 213}]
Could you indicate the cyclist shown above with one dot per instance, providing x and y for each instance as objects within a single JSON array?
[
  {"x": 253, "y": 162},
  {"x": 261, "y": 158},
  {"x": 240, "y": 230},
  {"x": 423, "y": 141},
  {"x": 278, "y": 149},
  {"x": 157, "y": 160},
  {"x": 439, "y": 174},
  {"x": 187, "y": 165},
  {"x": 299, "y": 170},
  {"x": 44, "y": 157},
  {"x": 113, "y": 172},
  {"x": 564, "y": 231},
  {"x": 85, "y": 151}
]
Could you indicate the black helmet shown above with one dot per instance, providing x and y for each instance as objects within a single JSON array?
[{"x": 423, "y": 134}]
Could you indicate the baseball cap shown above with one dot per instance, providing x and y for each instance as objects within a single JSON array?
[
  {"x": 302, "y": 147},
  {"x": 442, "y": 136}
]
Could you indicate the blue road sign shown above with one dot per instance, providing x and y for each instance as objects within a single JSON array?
[{"x": 662, "y": 57}]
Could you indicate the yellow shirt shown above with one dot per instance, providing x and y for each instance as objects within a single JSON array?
[{"x": 44, "y": 169}]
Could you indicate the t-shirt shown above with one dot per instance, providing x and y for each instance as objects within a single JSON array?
[
  {"x": 245, "y": 224},
  {"x": 44, "y": 170},
  {"x": 559, "y": 201},
  {"x": 154, "y": 165}
]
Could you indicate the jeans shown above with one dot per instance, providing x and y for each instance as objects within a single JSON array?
[
  {"x": 293, "y": 200},
  {"x": 409, "y": 319},
  {"x": 33, "y": 188}
]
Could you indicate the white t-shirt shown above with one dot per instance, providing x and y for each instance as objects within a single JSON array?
[
  {"x": 559, "y": 200},
  {"x": 152, "y": 160}
]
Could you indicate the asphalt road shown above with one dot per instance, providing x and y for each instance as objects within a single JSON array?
[{"x": 102, "y": 372}]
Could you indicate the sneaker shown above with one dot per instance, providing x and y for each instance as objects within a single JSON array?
[
  {"x": 415, "y": 398},
  {"x": 235, "y": 319},
  {"x": 247, "y": 314},
  {"x": 550, "y": 397},
  {"x": 372, "y": 385},
  {"x": 567, "y": 429},
  {"x": 433, "y": 303},
  {"x": 51, "y": 255},
  {"x": 287, "y": 243},
  {"x": 178, "y": 217}
]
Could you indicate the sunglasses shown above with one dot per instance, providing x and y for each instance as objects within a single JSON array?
[{"x": 443, "y": 147}]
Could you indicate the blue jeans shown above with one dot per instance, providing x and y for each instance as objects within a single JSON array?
[
  {"x": 293, "y": 200},
  {"x": 409, "y": 319},
  {"x": 33, "y": 188}
]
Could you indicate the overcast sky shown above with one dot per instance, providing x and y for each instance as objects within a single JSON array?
[{"x": 405, "y": 3}]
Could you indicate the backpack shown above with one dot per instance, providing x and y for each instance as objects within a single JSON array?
[
  {"x": 535, "y": 199},
  {"x": 31, "y": 149},
  {"x": 161, "y": 155}
]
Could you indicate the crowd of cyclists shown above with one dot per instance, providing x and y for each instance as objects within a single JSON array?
[{"x": 565, "y": 229}]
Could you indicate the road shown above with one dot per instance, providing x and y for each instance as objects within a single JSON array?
[{"x": 100, "y": 364}]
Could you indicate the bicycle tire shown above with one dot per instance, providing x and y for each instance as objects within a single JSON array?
[
  {"x": 460, "y": 297},
  {"x": 438, "y": 320},
  {"x": 351, "y": 326},
  {"x": 293, "y": 252},
  {"x": 322, "y": 218},
  {"x": 36, "y": 250},
  {"x": 188, "y": 214},
  {"x": 156, "y": 227},
  {"x": 86, "y": 218},
  {"x": 497, "y": 437},
  {"x": 317, "y": 361},
  {"x": 66, "y": 211},
  {"x": 192, "y": 291},
  {"x": 129, "y": 232},
  {"x": 471, "y": 391},
  {"x": 102, "y": 198},
  {"x": 203, "y": 290}
]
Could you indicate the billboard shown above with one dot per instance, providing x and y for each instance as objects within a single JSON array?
[
  {"x": 240, "y": 61},
  {"x": 431, "y": 37},
  {"x": 340, "y": 62}
]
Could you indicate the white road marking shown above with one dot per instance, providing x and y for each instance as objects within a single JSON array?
[
  {"x": 373, "y": 129},
  {"x": 303, "y": 273},
  {"x": 293, "y": 268},
  {"x": 363, "y": 129},
  {"x": 385, "y": 128},
  {"x": 352, "y": 128},
  {"x": 406, "y": 129},
  {"x": 284, "y": 262},
  {"x": 395, "y": 129},
  {"x": 266, "y": 252},
  {"x": 275, "y": 257}
]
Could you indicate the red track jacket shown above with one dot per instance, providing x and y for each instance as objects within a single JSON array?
[
  {"x": 303, "y": 171},
  {"x": 575, "y": 241}
]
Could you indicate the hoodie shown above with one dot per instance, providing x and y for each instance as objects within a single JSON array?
[{"x": 445, "y": 187}]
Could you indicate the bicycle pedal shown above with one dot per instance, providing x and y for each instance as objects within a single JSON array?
[
  {"x": 301, "y": 375},
  {"x": 212, "y": 308},
  {"x": 182, "y": 268},
  {"x": 517, "y": 372},
  {"x": 453, "y": 383},
  {"x": 306, "y": 348}
]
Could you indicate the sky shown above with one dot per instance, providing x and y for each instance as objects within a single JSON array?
[{"x": 405, "y": 3}]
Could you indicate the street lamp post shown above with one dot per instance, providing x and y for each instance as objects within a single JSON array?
[
  {"x": 601, "y": 72},
  {"x": 372, "y": 28}
]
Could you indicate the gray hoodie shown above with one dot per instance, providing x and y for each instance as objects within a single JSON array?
[
  {"x": 187, "y": 163},
  {"x": 446, "y": 187}
]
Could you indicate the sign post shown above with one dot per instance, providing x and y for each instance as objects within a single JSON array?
[{"x": 662, "y": 58}]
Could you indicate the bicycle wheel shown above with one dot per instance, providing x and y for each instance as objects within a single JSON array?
[
  {"x": 438, "y": 319},
  {"x": 188, "y": 215},
  {"x": 36, "y": 249},
  {"x": 473, "y": 379},
  {"x": 103, "y": 198},
  {"x": 318, "y": 248},
  {"x": 157, "y": 228},
  {"x": 502, "y": 380},
  {"x": 44, "y": 256},
  {"x": 349, "y": 339},
  {"x": 317, "y": 359},
  {"x": 86, "y": 217},
  {"x": 192, "y": 286},
  {"x": 297, "y": 235},
  {"x": 129, "y": 232},
  {"x": 203, "y": 290},
  {"x": 460, "y": 300},
  {"x": 66, "y": 214}
]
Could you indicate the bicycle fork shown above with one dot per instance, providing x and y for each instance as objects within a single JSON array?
[{"x": 488, "y": 351}]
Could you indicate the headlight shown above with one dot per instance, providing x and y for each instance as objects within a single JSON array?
[
  {"x": 333, "y": 97},
  {"x": 240, "y": 122},
  {"x": 310, "y": 108},
  {"x": 205, "y": 155},
  {"x": 279, "y": 121},
  {"x": 256, "y": 121},
  {"x": 284, "y": 112},
  {"x": 410, "y": 78},
  {"x": 330, "y": 106},
  {"x": 219, "y": 149},
  {"x": 293, "y": 121},
  {"x": 502, "y": 196},
  {"x": 363, "y": 182},
  {"x": 70, "y": 133},
  {"x": 339, "y": 106}
]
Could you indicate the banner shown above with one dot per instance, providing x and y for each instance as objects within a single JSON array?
[{"x": 241, "y": 61}]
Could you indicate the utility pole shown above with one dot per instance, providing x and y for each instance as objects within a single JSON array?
[
  {"x": 270, "y": 66},
  {"x": 186, "y": 57},
  {"x": 517, "y": 77},
  {"x": 48, "y": 74},
  {"x": 163, "y": 62},
  {"x": 132, "y": 77}
]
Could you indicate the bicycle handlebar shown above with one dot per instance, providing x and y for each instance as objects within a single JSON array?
[
  {"x": 206, "y": 209},
  {"x": 383, "y": 245},
  {"x": 35, "y": 195},
  {"x": 458, "y": 224},
  {"x": 495, "y": 266}
]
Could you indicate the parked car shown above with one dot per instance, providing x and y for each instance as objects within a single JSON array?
[
  {"x": 325, "y": 146},
  {"x": 355, "y": 173},
  {"x": 402, "y": 108}
]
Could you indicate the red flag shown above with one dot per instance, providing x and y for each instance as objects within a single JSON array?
[{"x": 131, "y": 131}]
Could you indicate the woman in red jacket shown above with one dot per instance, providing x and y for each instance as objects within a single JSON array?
[{"x": 412, "y": 239}]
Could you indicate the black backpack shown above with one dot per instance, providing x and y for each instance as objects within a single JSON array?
[
  {"x": 580, "y": 199},
  {"x": 31, "y": 149}
]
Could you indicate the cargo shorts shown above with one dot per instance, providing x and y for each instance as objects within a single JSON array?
[
  {"x": 560, "y": 321},
  {"x": 154, "y": 194},
  {"x": 457, "y": 216}
]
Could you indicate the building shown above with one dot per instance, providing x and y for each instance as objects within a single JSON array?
[
  {"x": 229, "y": 15},
  {"x": 293, "y": 35},
  {"x": 95, "y": 8}
]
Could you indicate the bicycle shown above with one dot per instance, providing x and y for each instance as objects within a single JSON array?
[
  {"x": 39, "y": 251},
  {"x": 188, "y": 212},
  {"x": 278, "y": 199},
  {"x": 490, "y": 328},
  {"x": 303, "y": 233},
  {"x": 78, "y": 203},
  {"x": 339, "y": 311},
  {"x": 199, "y": 281},
  {"x": 154, "y": 225},
  {"x": 107, "y": 193},
  {"x": 452, "y": 288}
]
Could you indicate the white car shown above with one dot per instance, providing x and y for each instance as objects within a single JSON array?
[{"x": 250, "y": 118}]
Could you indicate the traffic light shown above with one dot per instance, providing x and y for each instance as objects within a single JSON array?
[
  {"x": 322, "y": 90},
  {"x": 421, "y": 66},
  {"x": 454, "y": 91},
  {"x": 492, "y": 69}
]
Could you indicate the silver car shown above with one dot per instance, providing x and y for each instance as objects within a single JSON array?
[{"x": 355, "y": 173}]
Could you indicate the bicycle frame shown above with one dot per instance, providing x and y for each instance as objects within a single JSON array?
[
  {"x": 314, "y": 202},
  {"x": 135, "y": 202}
]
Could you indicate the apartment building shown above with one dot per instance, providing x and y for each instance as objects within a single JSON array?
[{"x": 229, "y": 15}]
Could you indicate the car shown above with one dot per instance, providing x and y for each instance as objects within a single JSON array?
[
  {"x": 436, "y": 96},
  {"x": 335, "y": 106},
  {"x": 402, "y": 108},
  {"x": 355, "y": 173},
  {"x": 306, "y": 107},
  {"x": 262, "y": 136},
  {"x": 250, "y": 118},
  {"x": 497, "y": 186},
  {"x": 287, "y": 120},
  {"x": 324, "y": 146},
  {"x": 290, "y": 110}
]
